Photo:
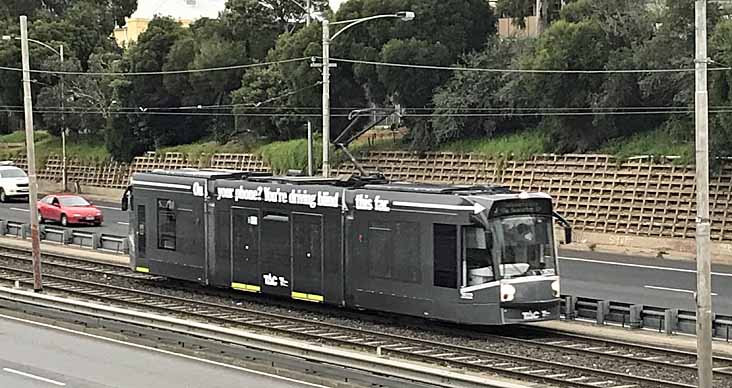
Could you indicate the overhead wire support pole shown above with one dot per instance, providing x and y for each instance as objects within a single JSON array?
[
  {"x": 703, "y": 223},
  {"x": 63, "y": 125},
  {"x": 327, "y": 39},
  {"x": 30, "y": 144},
  {"x": 326, "y": 97}
]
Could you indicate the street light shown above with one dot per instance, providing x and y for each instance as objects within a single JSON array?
[
  {"x": 60, "y": 53},
  {"x": 403, "y": 15}
]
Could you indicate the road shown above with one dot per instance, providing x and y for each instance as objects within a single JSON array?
[
  {"x": 640, "y": 280},
  {"x": 115, "y": 220},
  {"x": 35, "y": 355}
]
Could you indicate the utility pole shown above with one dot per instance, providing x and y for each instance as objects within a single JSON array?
[
  {"x": 703, "y": 251},
  {"x": 310, "y": 149},
  {"x": 326, "y": 97},
  {"x": 30, "y": 144},
  {"x": 63, "y": 125},
  {"x": 307, "y": 14}
]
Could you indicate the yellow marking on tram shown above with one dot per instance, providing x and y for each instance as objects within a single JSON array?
[
  {"x": 245, "y": 287},
  {"x": 142, "y": 269},
  {"x": 307, "y": 297}
]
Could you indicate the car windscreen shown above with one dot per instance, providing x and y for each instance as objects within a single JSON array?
[
  {"x": 12, "y": 173},
  {"x": 73, "y": 201}
]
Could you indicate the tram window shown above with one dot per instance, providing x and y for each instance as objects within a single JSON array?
[
  {"x": 478, "y": 256},
  {"x": 393, "y": 253},
  {"x": 445, "y": 255},
  {"x": 166, "y": 224}
]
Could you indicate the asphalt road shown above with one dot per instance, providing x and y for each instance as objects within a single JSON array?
[
  {"x": 640, "y": 280},
  {"x": 115, "y": 220},
  {"x": 42, "y": 356},
  {"x": 653, "y": 282}
]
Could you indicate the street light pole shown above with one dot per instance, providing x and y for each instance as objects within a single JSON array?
[
  {"x": 60, "y": 53},
  {"x": 703, "y": 249},
  {"x": 327, "y": 39},
  {"x": 30, "y": 144}
]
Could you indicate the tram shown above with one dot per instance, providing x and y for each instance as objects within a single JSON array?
[{"x": 479, "y": 255}]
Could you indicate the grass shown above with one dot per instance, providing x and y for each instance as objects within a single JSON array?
[
  {"x": 84, "y": 148},
  {"x": 515, "y": 146},
  {"x": 198, "y": 150},
  {"x": 290, "y": 155},
  {"x": 657, "y": 143}
]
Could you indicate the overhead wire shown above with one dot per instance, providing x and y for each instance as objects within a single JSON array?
[
  {"x": 162, "y": 72},
  {"x": 530, "y": 71}
]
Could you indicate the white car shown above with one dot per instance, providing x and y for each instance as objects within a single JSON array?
[{"x": 13, "y": 182}]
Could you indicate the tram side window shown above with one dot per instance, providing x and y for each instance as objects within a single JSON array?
[
  {"x": 445, "y": 255},
  {"x": 393, "y": 252},
  {"x": 166, "y": 224}
]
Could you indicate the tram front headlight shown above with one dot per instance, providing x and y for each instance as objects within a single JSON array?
[
  {"x": 556, "y": 288},
  {"x": 508, "y": 292}
]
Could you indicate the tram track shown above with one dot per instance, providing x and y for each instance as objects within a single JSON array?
[{"x": 550, "y": 371}]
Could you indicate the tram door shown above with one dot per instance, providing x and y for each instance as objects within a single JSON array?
[
  {"x": 307, "y": 256},
  {"x": 276, "y": 269},
  {"x": 245, "y": 249},
  {"x": 141, "y": 241}
]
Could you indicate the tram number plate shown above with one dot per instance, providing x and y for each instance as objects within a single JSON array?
[{"x": 535, "y": 314}]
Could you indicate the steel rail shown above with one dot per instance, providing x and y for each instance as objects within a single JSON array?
[{"x": 410, "y": 348}]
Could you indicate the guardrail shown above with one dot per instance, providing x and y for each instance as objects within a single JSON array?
[
  {"x": 639, "y": 316},
  {"x": 369, "y": 362},
  {"x": 81, "y": 238}
]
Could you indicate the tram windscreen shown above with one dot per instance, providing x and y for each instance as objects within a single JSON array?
[{"x": 527, "y": 245}]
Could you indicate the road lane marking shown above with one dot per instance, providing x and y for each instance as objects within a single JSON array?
[
  {"x": 166, "y": 352},
  {"x": 641, "y": 266},
  {"x": 674, "y": 289},
  {"x": 108, "y": 207},
  {"x": 19, "y": 209},
  {"x": 30, "y": 376},
  {"x": 123, "y": 223}
]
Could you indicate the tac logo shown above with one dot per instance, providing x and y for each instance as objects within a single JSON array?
[
  {"x": 198, "y": 190},
  {"x": 535, "y": 314}
]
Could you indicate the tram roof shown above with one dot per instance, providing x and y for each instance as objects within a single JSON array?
[{"x": 351, "y": 181}]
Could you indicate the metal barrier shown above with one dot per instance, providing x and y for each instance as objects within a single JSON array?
[
  {"x": 83, "y": 239},
  {"x": 664, "y": 320},
  {"x": 113, "y": 243}
]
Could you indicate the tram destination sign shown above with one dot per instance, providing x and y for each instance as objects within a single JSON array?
[{"x": 521, "y": 206}]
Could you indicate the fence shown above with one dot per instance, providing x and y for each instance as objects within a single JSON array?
[{"x": 597, "y": 193}]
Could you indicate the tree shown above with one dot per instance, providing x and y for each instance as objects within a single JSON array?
[{"x": 479, "y": 92}]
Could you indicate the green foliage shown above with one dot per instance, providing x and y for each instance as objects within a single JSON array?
[
  {"x": 658, "y": 143},
  {"x": 518, "y": 146},
  {"x": 475, "y": 93},
  {"x": 289, "y": 155},
  {"x": 85, "y": 148}
]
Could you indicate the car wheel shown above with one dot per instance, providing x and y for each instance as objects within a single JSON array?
[
  {"x": 3, "y": 197},
  {"x": 64, "y": 220},
  {"x": 97, "y": 224}
]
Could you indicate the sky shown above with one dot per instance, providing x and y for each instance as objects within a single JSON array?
[{"x": 189, "y": 9}]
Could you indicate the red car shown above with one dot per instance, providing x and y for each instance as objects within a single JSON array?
[{"x": 68, "y": 209}]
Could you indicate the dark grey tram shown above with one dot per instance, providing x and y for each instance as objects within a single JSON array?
[{"x": 469, "y": 254}]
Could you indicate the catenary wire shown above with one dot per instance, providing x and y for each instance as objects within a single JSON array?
[
  {"x": 530, "y": 71},
  {"x": 166, "y": 72}
]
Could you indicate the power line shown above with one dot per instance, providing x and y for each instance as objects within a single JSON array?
[
  {"x": 529, "y": 71},
  {"x": 416, "y": 115},
  {"x": 166, "y": 72}
]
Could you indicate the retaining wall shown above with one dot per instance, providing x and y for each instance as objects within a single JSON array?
[{"x": 640, "y": 197}]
